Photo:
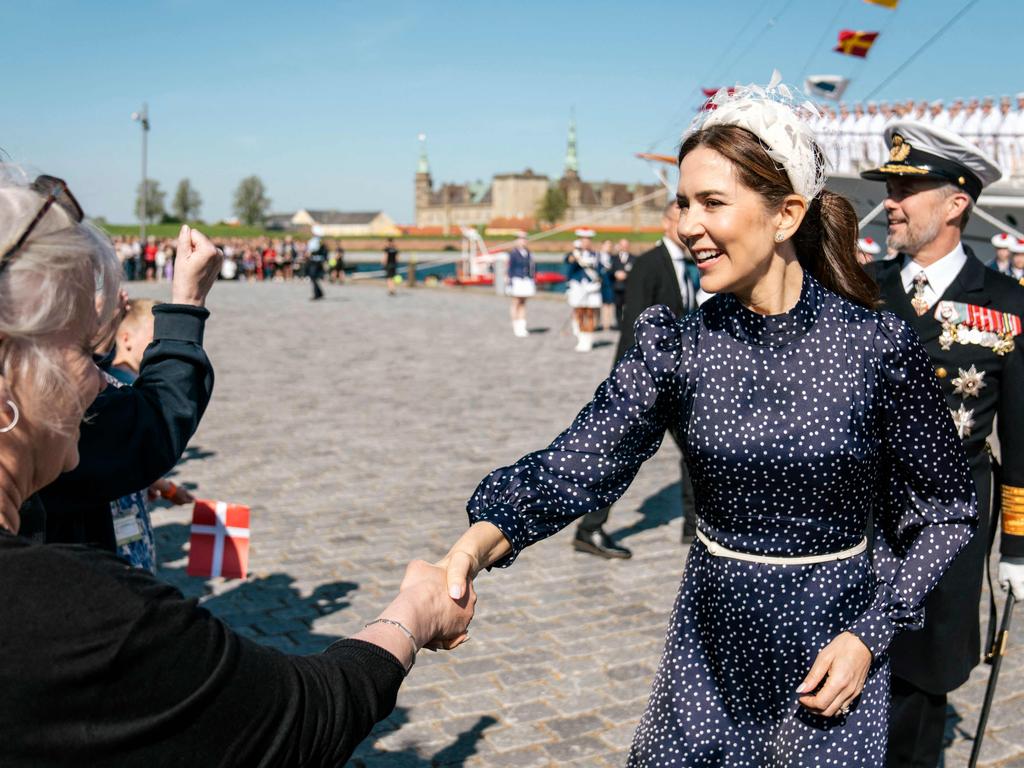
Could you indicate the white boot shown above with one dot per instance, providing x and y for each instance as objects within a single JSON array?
[
  {"x": 575, "y": 326},
  {"x": 519, "y": 329},
  {"x": 585, "y": 342}
]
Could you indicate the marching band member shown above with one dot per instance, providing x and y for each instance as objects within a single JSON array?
[
  {"x": 584, "y": 289},
  {"x": 522, "y": 273}
]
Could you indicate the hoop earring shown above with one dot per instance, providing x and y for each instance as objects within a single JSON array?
[{"x": 14, "y": 421}]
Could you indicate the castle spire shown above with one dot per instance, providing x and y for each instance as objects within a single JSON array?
[
  {"x": 572, "y": 165},
  {"x": 423, "y": 166}
]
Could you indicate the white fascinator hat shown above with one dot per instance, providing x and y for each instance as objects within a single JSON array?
[{"x": 780, "y": 118}]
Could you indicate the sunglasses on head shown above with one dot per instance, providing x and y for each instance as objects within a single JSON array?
[{"x": 53, "y": 190}]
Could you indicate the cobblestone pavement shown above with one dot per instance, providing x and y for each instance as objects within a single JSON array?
[{"x": 356, "y": 428}]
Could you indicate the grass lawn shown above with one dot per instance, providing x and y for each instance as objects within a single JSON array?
[{"x": 222, "y": 231}]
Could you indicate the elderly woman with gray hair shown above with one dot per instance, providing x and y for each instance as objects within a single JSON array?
[{"x": 99, "y": 662}]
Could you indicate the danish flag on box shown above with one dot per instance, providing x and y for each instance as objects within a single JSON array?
[{"x": 219, "y": 544}]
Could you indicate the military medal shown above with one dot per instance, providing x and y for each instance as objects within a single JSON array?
[
  {"x": 963, "y": 419},
  {"x": 970, "y": 324},
  {"x": 969, "y": 382}
]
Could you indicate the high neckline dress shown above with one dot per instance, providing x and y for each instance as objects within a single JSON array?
[{"x": 797, "y": 427}]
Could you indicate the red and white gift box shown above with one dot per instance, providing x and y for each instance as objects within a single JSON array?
[{"x": 219, "y": 544}]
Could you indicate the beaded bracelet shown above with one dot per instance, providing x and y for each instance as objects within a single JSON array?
[{"x": 412, "y": 639}]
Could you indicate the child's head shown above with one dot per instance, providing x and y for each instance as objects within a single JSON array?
[{"x": 135, "y": 333}]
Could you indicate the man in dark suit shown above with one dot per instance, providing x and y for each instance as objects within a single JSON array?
[
  {"x": 968, "y": 319},
  {"x": 622, "y": 265},
  {"x": 663, "y": 275}
]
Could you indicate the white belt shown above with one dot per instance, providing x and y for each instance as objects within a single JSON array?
[{"x": 719, "y": 551}]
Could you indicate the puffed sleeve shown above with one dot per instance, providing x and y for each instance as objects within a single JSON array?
[
  {"x": 591, "y": 464},
  {"x": 926, "y": 508}
]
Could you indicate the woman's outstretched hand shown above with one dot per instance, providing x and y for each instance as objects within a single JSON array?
[
  {"x": 843, "y": 664},
  {"x": 444, "y": 622}
]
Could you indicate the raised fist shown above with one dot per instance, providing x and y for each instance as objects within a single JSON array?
[{"x": 196, "y": 267}]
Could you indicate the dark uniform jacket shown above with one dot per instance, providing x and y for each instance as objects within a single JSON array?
[
  {"x": 939, "y": 657},
  {"x": 652, "y": 281}
]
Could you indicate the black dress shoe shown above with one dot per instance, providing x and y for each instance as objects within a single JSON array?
[{"x": 599, "y": 543}]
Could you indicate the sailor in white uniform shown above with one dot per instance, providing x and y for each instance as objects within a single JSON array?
[
  {"x": 988, "y": 129},
  {"x": 847, "y": 121},
  {"x": 957, "y": 117},
  {"x": 940, "y": 118},
  {"x": 1006, "y": 152},
  {"x": 861, "y": 137},
  {"x": 877, "y": 151},
  {"x": 831, "y": 144},
  {"x": 971, "y": 129}
]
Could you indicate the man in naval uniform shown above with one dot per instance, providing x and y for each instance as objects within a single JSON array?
[
  {"x": 667, "y": 275},
  {"x": 969, "y": 321}
]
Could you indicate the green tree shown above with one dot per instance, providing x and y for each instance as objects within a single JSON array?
[
  {"x": 187, "y": 202},
  {"x": 251, "y": 201},
  {"x": 552, "y": 206},
  {"x": 149, "y": 201}
]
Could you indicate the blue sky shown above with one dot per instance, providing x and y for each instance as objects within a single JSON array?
[{"x": 324, "y": 100}]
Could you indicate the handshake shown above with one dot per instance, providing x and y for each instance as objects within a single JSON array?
[{"x": 423, "y": 615}]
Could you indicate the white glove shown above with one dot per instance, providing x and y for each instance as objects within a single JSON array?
[{"x": 1011, "y": 575}]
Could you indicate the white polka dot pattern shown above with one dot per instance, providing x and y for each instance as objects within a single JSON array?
[{"x": 797, "y": 428}]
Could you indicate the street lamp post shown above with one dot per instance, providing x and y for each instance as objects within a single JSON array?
[{"x": 143, "y": 119}]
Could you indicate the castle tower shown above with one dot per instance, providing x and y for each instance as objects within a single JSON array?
[
  {"x": 424, "y": 184},
  {"x": 572, "y": 165}
]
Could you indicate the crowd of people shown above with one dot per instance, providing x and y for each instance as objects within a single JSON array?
[
  {"x": 853, "y": 136},
  {"x": 245, "y": 258},
  {"x": 804, "y": 412}
]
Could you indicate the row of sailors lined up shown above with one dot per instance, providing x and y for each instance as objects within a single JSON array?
[
  {"x": 1009, "y": 258},
  {"x": 854, "y": 138}
]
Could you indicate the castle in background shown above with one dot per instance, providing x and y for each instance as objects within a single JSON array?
[{"x": 510, "y": 201}]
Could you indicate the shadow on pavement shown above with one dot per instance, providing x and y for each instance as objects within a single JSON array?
[
  {"x": 657, "y": 510},
  {"x": 194, "y": 453},
  {"x": 953, "y": 720},
  {"x": 455, "y": 754},
  {"x": 268, "y": 609}
]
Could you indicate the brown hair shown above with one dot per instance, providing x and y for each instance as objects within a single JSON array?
[{"x": 826, "y": 242}]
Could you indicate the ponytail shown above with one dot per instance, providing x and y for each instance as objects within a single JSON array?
[{"x": 826, "y": 246}]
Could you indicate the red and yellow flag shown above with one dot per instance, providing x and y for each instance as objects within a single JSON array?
[
  {"x": 855, "y": 42},
  {"x": 884, "y": 3}
]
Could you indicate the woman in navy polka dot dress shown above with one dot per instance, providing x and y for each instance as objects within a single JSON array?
[{"x": 805, "y": 411}]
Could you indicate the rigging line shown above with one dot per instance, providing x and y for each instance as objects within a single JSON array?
[
  {"x": 861, "y": 64},
  {"x": 824, "y": 36},
  {"x": 681, "y": 114},
  {"x": 769, "y": 25},
  {"x": 713, "y": 69},
  {"x": 898, "y": 70}
]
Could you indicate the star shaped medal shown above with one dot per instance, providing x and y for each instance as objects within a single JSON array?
[
  {"x": 969, "y": 383},
  {"x": 963, "y": 418}
]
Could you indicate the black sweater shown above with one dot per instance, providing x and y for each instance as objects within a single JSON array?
[
  {"x": 102, "y": 664},
  {"x": 132, "y": 436}
]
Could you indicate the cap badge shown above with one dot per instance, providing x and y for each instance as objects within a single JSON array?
[{"x": 900, "y": 149}]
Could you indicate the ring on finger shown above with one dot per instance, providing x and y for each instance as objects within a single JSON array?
[{"x": 844, "y": 710}]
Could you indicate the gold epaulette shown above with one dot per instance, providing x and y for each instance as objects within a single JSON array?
[{"x": 1013, "y": 510}]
